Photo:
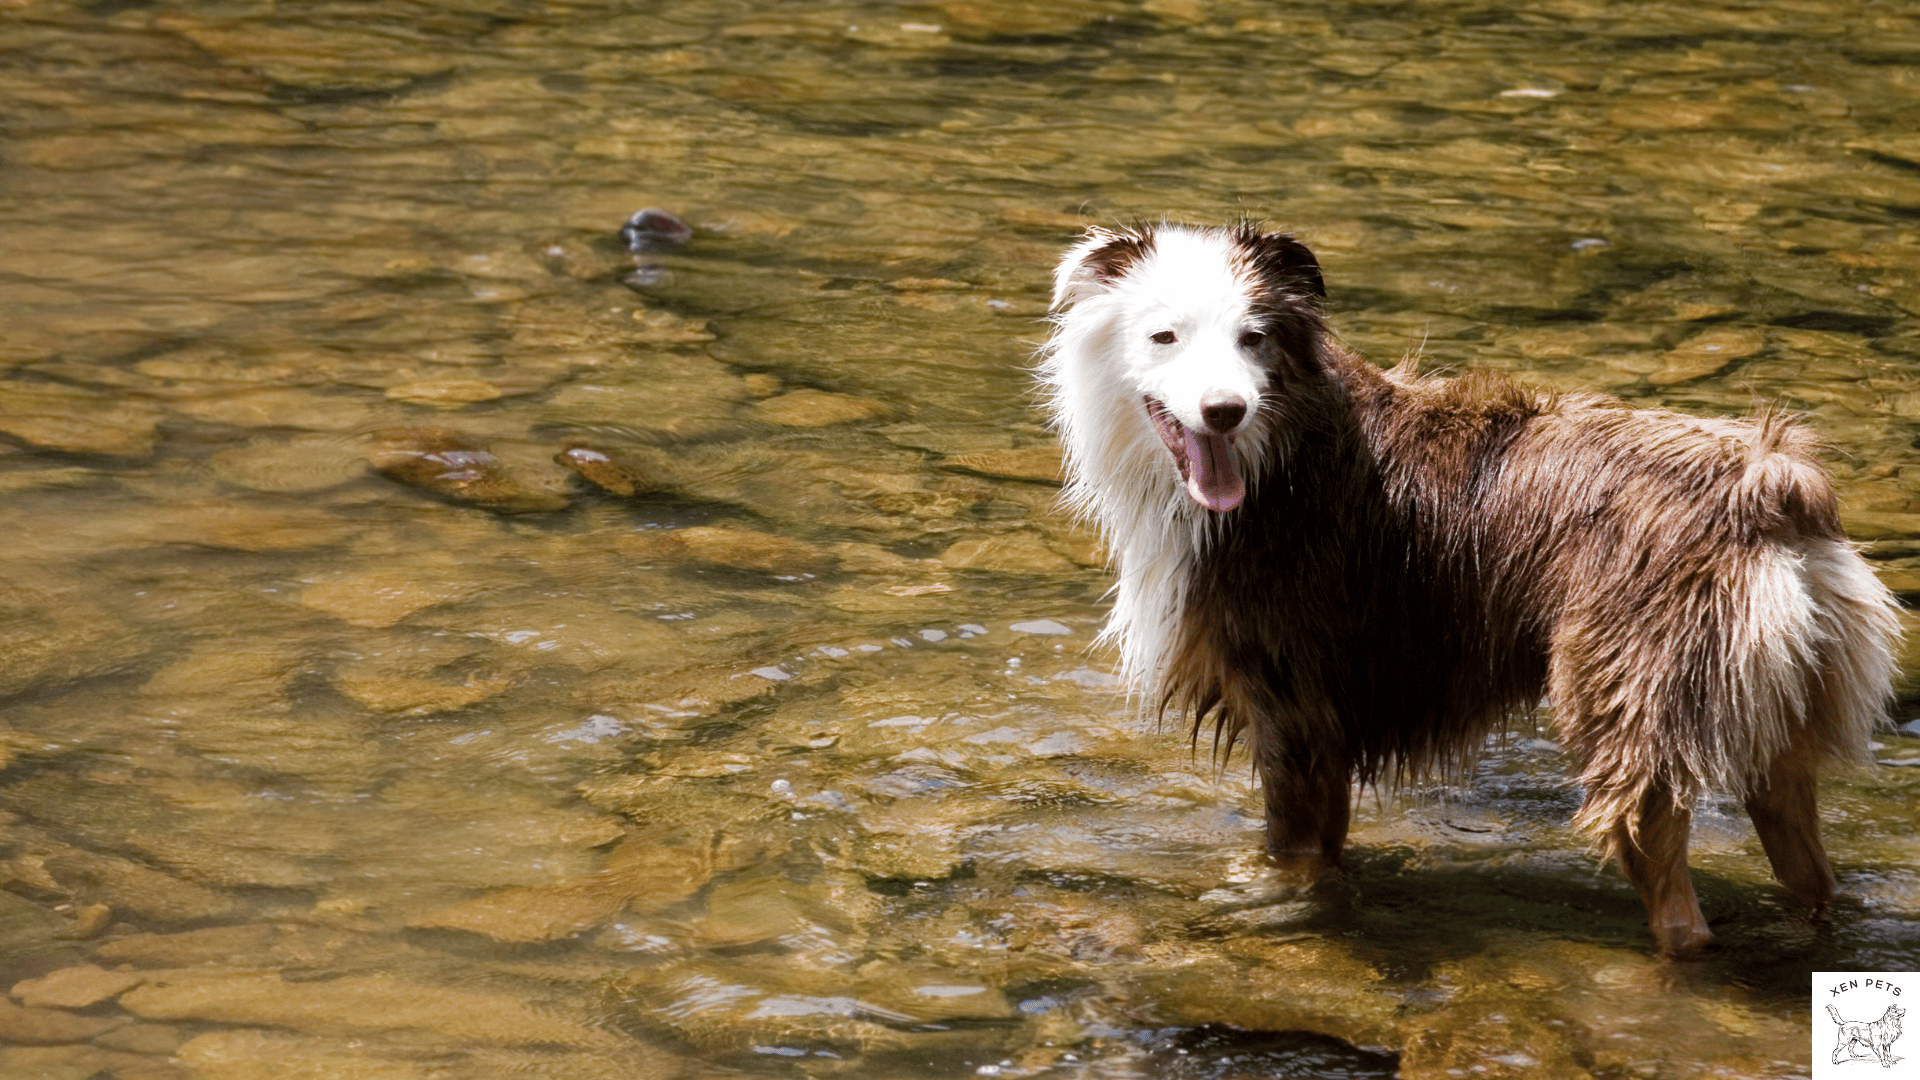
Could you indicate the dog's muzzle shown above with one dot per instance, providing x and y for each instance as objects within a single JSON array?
[{"x": 1205, "y": 459}]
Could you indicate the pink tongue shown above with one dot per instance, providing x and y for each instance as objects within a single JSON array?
[{"x": 1213, "y": 478}]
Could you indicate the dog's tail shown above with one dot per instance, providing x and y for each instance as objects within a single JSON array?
[
  {"x": 1782, "y": 483},
  {"x": 1835, "y": 1013}
]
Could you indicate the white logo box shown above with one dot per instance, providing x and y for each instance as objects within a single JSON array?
[{"x": 1862, "y": 1023}]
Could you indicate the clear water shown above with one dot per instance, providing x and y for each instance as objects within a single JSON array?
[{"x": 437, "y": 646}]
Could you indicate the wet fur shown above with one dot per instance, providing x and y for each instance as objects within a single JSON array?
[{"x": 1419, "y": 559}]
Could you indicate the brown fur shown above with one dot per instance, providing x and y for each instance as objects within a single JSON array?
[{"x": 1428, "y": 557}]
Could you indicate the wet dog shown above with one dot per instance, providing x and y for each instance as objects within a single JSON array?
[
  {"x": 1859, "y": 1039},
  {"x": 1363, "y": 572}
]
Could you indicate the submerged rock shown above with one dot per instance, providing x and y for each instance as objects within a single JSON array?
[
  {"x": 382, "y": 596},
  {"x": 818, "y": 408},
  {"x": 60, "y": 417},
  {"x": 621, "y": 472},
  {"x": 356, "y": 1004},
  {"x": 265, "y": 1055},
  {"x": 75, "y": 987},
  {"x": 1705, "y": 353},
  {"x": 650, "y": 869},
  {"x": 447, "y": 463},
  {"x": 301, "y": 464},
  {"x": 40, "y": 1027},
  {"x": 47, "y": 639},
  {"x": 741, "y": 549},
  {"x": 654, "y": 230}
]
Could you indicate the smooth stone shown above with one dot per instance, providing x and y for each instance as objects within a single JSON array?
[
  {"x": 1009, "y": 553},
  {"x": 620, "y": 473},
  {"x": 383, "y": 596},
  {"x": 741, "y": 549},
  {"x": 50, "y": 638},
  {"x": 159, "y": 1040},
  {"x": 81, "y": 1062},
  {"x": 25, "y": 927},
  {"x": 649, "y": 869},
  {"x": 568, "y": 630},
  {"x": 89, "y": 921},
  {"x": 417, "y": 697},
  {"x": 136, "y": 889},
  {"x": 267, "y": 1055},
  {"x": 680, "y": 395},
  {"x": 302, "y": 464},
  {"x": 444, "y": 393},
  {"x": 1041, "y": 463},
  {"x": 42, "y": 1027},
  {"x": 1705, "y": 353},
  {"x": 67, "y": 418},
  {"x": 534, "y": 913},
  {"x": 448, "y": 463},
  {"x": 355, "y": 1004},
  {"x": 653, "y": 327},
  {"x": 817, "y": 408},
  {"x": 234, "y": 945},
  {"x": 1880, "y": 524},
  {"x": 75, "y": 987},
  {"x": 247, "y": 525}
]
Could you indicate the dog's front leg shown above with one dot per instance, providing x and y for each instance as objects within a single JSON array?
[{"x": 1308, "y": 808}]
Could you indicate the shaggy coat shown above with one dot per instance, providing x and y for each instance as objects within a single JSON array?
[{"x": 1362, "y": 572}]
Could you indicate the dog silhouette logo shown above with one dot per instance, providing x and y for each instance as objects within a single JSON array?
[
  {"x": 1868, "y": 1011},
  {"x": 1860, "y": 1039}
]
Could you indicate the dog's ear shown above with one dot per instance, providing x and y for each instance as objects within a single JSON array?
[
  {"x": 1101, "y": 258},
  {"x": 1279, "y": 258}
]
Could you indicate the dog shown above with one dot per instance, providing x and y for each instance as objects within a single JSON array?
[
  {"x": 1859, "y": 1039},
  {"x": 1362, "y": 572}
]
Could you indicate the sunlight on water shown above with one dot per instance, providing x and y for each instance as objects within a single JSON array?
[{"x": 443, "y": 641}]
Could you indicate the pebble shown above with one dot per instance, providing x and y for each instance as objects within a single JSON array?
[{"x": 654, "y": 230}]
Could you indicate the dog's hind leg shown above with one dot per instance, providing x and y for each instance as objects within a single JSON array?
[
  {"x": 1654, "y": 856},
  {"x": 1785, "y": 814}
]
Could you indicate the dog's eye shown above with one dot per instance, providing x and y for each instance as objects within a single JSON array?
[
  {"x": 1164, "y": 337},
  {"x": 1252, "y": 339}
]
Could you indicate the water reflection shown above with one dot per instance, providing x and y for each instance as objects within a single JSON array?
[{"x": 432, "y": 650}]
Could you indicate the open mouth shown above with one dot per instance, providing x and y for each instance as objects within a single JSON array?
[{"x": 1206, "y": 460}]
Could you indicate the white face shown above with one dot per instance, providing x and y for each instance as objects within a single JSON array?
[
  {"x": 1191, "y": 350},
  {"x": 1187, "y": 335}
]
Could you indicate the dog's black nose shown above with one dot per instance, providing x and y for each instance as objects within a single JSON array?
[{"x": 1222, "y": 412}]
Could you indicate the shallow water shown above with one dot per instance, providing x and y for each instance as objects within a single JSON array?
[{"x": 437, "y": 646}]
